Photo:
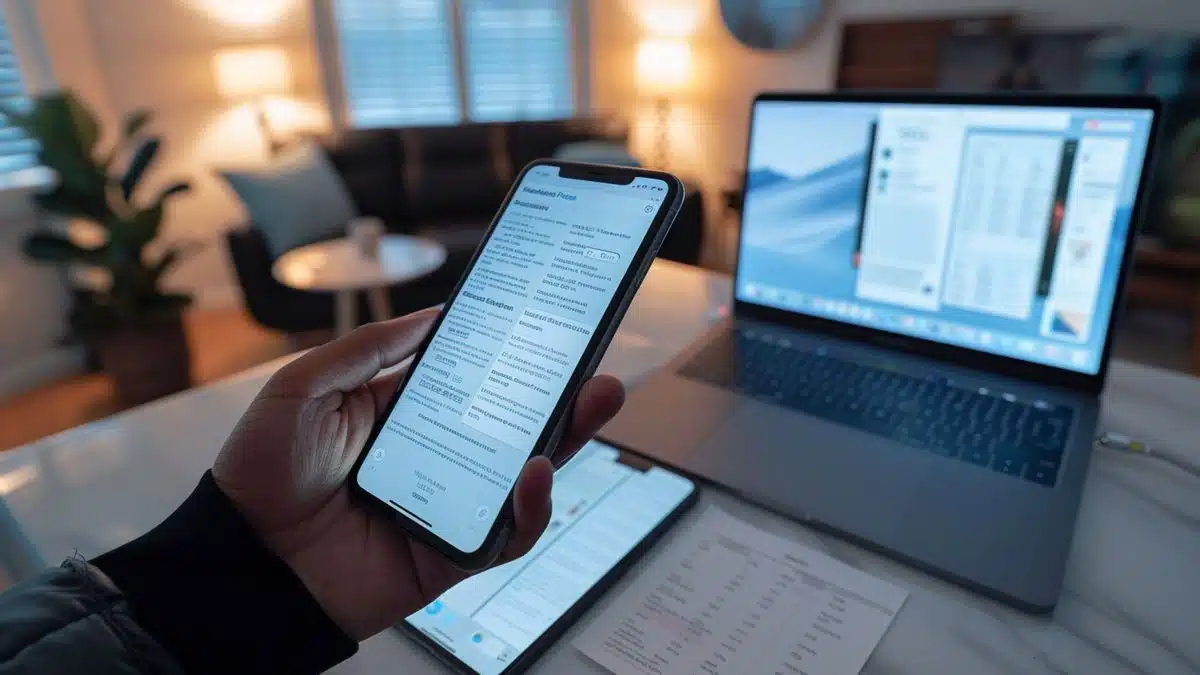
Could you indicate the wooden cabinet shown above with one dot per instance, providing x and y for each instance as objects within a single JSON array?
[{"x": 905, "y": 54}]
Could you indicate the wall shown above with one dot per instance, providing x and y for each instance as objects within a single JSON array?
[
  {"x": 33, "y": 304},
  {"x": 158, "y": 54},
  {"x": 710, "y": 143},
  {"x": 33, "y": 298},
  {"x": 69, "y": 44},
  {"x": 707, "y": 132}
]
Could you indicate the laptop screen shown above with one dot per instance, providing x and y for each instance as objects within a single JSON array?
[{"x": 996, "y": 228}]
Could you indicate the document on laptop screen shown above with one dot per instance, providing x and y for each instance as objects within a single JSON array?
[
  {"x": 909, "y": 207},
  {"x": 729, "y": 598},
  {"x": 1005, "y": 197}
]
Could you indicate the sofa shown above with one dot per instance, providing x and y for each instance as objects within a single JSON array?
[{"x": 444, "y": 183}]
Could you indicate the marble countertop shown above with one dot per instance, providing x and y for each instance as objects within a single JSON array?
[{"x": 1131, "y": 600}]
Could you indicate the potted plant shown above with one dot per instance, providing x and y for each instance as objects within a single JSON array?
[{"x": 134, "y": 325}]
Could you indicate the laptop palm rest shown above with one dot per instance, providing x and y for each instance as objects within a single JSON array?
[
  {"x": 801, "y": 466},
  {"x": 810, "y": 470}
]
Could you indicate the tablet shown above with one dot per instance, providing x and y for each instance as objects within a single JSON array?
[{"x": 609, "y": 506}]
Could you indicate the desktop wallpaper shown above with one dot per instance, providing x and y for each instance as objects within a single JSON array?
[{"x": 807, "y": 171}]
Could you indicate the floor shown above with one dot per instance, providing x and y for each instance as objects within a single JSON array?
[{"x": 223, "y": 342}]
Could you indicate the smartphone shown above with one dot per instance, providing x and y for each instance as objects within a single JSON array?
[
  {"x": 610, "y": 507},
  {"x": 492, "y": 384}
]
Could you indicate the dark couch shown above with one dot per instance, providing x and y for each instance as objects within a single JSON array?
[{"x": 444, "y": 183}]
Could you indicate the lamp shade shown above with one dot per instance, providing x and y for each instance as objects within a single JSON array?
[
  {"x": 664, "y": 66},
  {"x": 245, "y": 73}
]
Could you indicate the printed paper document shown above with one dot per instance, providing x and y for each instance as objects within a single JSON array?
[{"x": 728, "y": 598}]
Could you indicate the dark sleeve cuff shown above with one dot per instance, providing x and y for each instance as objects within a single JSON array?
[{"x": 209, "y": 591}]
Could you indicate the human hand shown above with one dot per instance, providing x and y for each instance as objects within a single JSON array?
[{"x": 286, "y": 464}]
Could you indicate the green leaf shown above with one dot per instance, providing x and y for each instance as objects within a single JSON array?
[
  {"x": 30, "y": 116},
  {"x": 16, "y": 116},
  {"x": 64, "y": 144},
  {"x": 71, "y": 204},
  {"x": 87, "y": 129},
  {"x": 134, "y": 122},
  {"x": 138, "y": 165},
  {"x": 53, "y": 248},
  {"x": 171, "y": 300},
  {"x": 165, "y": 263},
  {"x": 131, "y": 125},
  {"x": 54, "y": 122},
  {"x": 76, "y": 174},
  {"x": 145, "y": 224},
  {"x": 172, "y": 257},
  {"x": 164, "y": 306},
  {"x": 172, "y": 190},
  {"x": 175, "y": 301}
]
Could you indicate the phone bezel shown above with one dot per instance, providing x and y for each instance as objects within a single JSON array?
[
  {"x": 580, "y": 607},
  {"x": 548, "y": 439}
]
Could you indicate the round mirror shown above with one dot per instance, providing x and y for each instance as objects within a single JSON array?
[{"x": 772, "y": 24}]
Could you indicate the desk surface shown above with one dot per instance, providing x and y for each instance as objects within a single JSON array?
[{"x": 1131, "y": 596}]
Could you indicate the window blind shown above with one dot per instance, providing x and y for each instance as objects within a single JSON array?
[
  {"x": 519, "y": 59},
  {"x": 414, "y": 62},
  {"x": 16, "y": 151},
  {"x": 397, "y": 58}
]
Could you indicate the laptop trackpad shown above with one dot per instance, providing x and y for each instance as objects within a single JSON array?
[{"x": 812, "y": 469}]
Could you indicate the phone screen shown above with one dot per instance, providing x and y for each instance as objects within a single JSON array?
[
  {"x": 499, "y": 363},
  {"x": 602, "y": 510}
]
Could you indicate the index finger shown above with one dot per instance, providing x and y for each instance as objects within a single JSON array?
[{"x": 351, "y": 361}]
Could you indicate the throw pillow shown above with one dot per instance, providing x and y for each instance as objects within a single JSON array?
[{"x": 297, "y": 199}]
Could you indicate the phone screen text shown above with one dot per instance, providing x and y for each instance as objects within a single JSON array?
[{"x": 500, "y": 361}]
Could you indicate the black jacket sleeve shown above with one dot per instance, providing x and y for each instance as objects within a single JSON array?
[
  {"x": 72, "y": 619},
  {"x": 206, "y": 588}
]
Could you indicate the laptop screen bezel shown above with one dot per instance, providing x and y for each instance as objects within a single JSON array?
[{"x": 971, "y": 358}]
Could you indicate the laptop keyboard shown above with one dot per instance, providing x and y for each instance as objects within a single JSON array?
[{"x": 988, "y": 429}]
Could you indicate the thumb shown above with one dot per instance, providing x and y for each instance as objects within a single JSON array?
[
  {"x": 531, "y": 508},
  {"x": 352, "y": 361}
]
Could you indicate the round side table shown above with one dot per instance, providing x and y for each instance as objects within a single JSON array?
[{"x": 338, "y": 266}]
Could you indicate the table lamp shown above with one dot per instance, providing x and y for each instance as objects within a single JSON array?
[
  {"x": 664, "y": 69},
  {"x": 251, "y": 75}
]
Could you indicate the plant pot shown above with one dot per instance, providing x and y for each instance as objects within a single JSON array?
[{"x": 147, "y": 362}]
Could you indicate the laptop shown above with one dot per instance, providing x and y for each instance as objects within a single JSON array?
[{"x": 924, "y": 299}]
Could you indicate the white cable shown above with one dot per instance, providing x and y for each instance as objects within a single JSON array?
[{"x": 1122, "y": 443}]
